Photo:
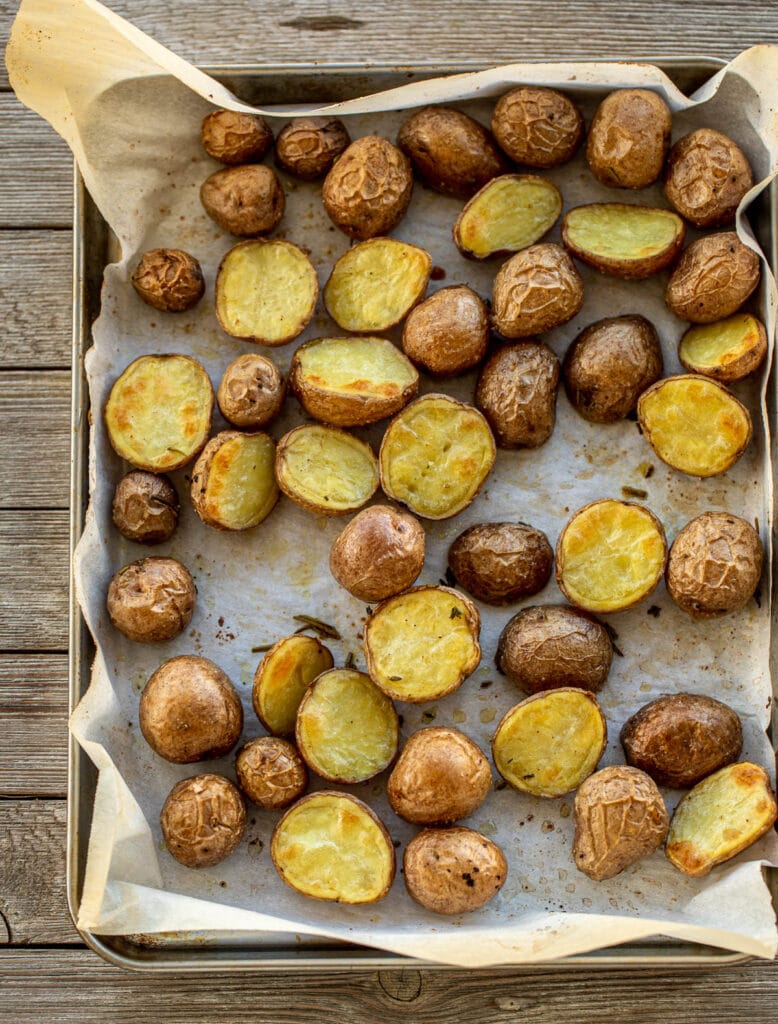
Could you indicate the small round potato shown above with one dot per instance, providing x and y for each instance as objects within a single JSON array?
[
  {"x": 270, "y": 772},
  {"x": 145, "y": 507},
  {"x": 453, "y": 870},
  {"x": 246, "y": 201},
  {"x": 548, "y": 646},
  {"x": 537, "y": 127},
  {"x": 235, "y": 138},
  {"x": 203, "y": 820},
  {"x": 282, "y": 677},
  {"x": 535, "y": 290},
  {"x": 169, "y": 279},
  {"x": 367, "y": 192},
  {"x": 440, "y": 777},
  {"x": 707, "y": 176},
  {"x": 499, "y": 563},
  {"x": 517, "y": 392},
  {"x": 233, "y": 481},
  {"x": 448, "y": 333},
  {"x": 712, "y": 279},
  {"x": 308, "y": 146},
  {"x": 251, "y": 392},
  {"x": 725, "y": 350},
  {"x": 380, "y": 553},
  {"x": 152, "y": 600},
  {"x": 715, "y": 565},
  {"x": 190, "y": 711},
  {"x": 628, "y": 138}
]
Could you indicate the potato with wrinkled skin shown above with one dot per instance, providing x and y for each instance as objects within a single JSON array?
[
  {"x": 326, "y": 470},
  {"x": 453, "y": 870},
  {"x": 629, "y": 138},
  {"x": 203, "y": 820},
  {"x": 246, "y": 201},
  {"x": 447, "y": 333},
  {"x": 623, "y": 239},
  {"x": 537, "y": 127},
  {"x": 507, "y": 214},
  {"x": 169, "y": 280},
  {"x": 726, "y": 350},
  {"x": 233, "y": 481},
  {"x": 517, "y": 392},
  {"x": 367, "y": 191},
  {"x": 235, "y": 138},
  {"x": 282, "y": 677},
  {"x": 145, "y": 507},
  {"x": 537, "y": 289},
  {"x": 499, "y": 563},
  {"x": 712, "y": 279},
  {"x": 380, "y": 553},
  {"x": 251, "y": 392},
  {"x": 152, "y": 600},
  {"x": 271, "y": 773},
  {"x": 706, "y": 178},
  {"x": 308, "y": 146}
]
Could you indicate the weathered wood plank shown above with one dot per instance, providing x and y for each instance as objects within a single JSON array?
[
  {"x": 37, "y": 170},
  {"x": 33, "y": 724},
  {"x": 35, "y": 439},
  {"x": 34, "y": 573}
]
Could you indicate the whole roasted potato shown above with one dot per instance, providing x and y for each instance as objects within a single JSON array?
[
  {"x": 501, "y": 562},
  {"x": 707, "y": 175},
  {"x": 448, "y": 333},
  {"x": 624, "y": 239},
  {"x": 308, "y": 146},
  {"x": 712, "y": 279},
  {"x": 282, "y": 677},
  {"x": 233, "y": 481},
  {"x": 270, "y": 772},
  {"x": 169, "y": 279},
  {"x": 251, "y": 392},
  {"x": 203, "y": 820},
  {"x": 246, "y": 201},
  {"x": 628, "y": 138},
  {"x": 235, "y": 138},
  {"x": 367, "y": 192},
  {"x": 537, "y": 127},
  {"x": 517, "y": 392},
  {"x": 379, "y": 553},
  {"x": 726, "y": 350},
  {"x": 151, "y": 600},
  {"x": 453, "y": 870},
  {"x": 535, "y": 290},
  {"x": 145, "y": 507}
]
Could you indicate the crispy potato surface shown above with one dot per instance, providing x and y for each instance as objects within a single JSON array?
[
  {"x": 517, "y": 391},
  {"x": 535, "y": 290},
  {"x": 726, "y": 350},
  {"x": 501, "y": 562},
  {"x": 152, "y": 600},
  {"x": 145, "y": 507},
  {"x": 707, "y": 176},
  {"x": 169, "y": 280},
  {"x": 712, "y": 279},
  {"x": 270, "y": 772},
  {"x": 246, "y": 201},
  {"x": 537, "y": 127},
  {"x": 233, "y": 481},
  {"x": 628, "y": 138},
  {"x": 326, "y": 470},
  {"x": 379, "y": 553},
  {"x": 507, "y": 214},
  {"x": 623, "y": 240},
  {"x": 232, "y": 137},
  {"x": 367, "y": 191},
  {"x": 308, "y": 146},
  {"x": 453, "y": 870},
  {"x": 447, "y": 333},
  {"x": 282, "y": 677},
  {"x": 251, "y": 392},
  {"x": 203, "y": 820}
]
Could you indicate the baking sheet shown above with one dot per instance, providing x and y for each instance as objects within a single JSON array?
[{"x": 138, "y": 144}]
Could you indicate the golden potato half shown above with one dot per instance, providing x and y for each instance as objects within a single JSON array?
[
  {"x": 233, "y": 482},
  {"x": 158, "y": 414},
  {"x": 694, "y": 424},
  {"x": 331, "y": 846},
  {"x": 721, "y": 816},
  {"x": 726, "y": 350},
  {"x": 326, "y": 470},
  {"x": 623, "y": 240},
  {"x": 550, "y": 742},
  {"x": 351, "y": 382},
  {"x": 423, "y": 644},
  {"x": 610, "y": 555},
  {"x": 509, "y": 213},
  {"x": 436, "y": 455},
  {"x": 266, "y": 291},
  {"x": 374, "y": 284},
  {"x": 283, "y": 676}
]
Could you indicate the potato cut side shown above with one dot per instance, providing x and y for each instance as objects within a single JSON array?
[
  {"x": 266, "y": 291},
  {"x": 423, "y": 644},
  {"x": 233, "y": 482},
  {"x": 508, "y": 214},
  {"x": 726, "y": 350},
  {"x": 694, "y": 424},
  {"x": 721, "y": 816},
  {"x": 624, "y": 240},
  {"x": 610, "y": 555},
  {"x": 158, "y": 414},
  {"x": 436, "y": 455},
  {"x": 549, "y": 743},
  {"x": 331, "y": 846},
  {"x": 347, "y": 729},
  {"x": 326, "y": 470},
  {"x": 375, "y": 284},
  {"x": 283, "y": 676}
]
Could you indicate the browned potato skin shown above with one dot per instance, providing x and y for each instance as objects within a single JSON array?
[
  {"x": 501, "y": 562},
  {"x": 450, "y": 152},
  {"x": 707, "y": 176},
  {"x": 609, "y": 365},
  {"x": 270, "y": 772},
  {"x": 448, "y": 333},
  {"x": 235, "y": 138},
  {"x": 715, "y": 565},
  {"x": 548, "y": 646},
  {"x": 517, "y": 393},
  {"x": 308, "y": 146},
  {"x": 203, "y": 820},
  {"x": 680, "y": 739},
  {"x": 368, "y": 190},
  {"x": 712, "y": 279},
  {"x": 145, "y": 507},
  {"x": 628, "y": 138},
  {"x": 620, "y": 818},
  {"x": 151, "y": 600},
  {"x": 251, "y": 392},
  {"x": 537, "y": 127},
  {"x": 190, "y": 711},
  {"x": 379, "y": 554},
  {"x": 169, "y": 280},
  {"x": 737, "y": 369},
  {"x": 453, "y": 870},
  {"x": 246, "y": 201},
  {"x": 535, "y": 290}
]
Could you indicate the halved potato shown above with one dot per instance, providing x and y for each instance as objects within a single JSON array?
[
  {"x": 283, "y": 676},
  {"x": 332, "y": 846},
  {"x": 351, "y": 382},
  {"x": 610, "y": 555},
  {"x": 623, "y": 240},
  {"x": 374, "y": 284},
  {"x": 158, "y": 414},
  {"x": 266, "y": 291},
  {"x": 233, "y": 482},
  {"x": 721, "y": 816},
  {"x": 326, "y": 470},
  {"x": 436, "y": 455},
  {"x": 726, "y": 350},
  {"x": 694, "y": 424},
  {"x": 347, "y": 729},
  {"x": 549, "y": 743},
  {"x": 507, "y": 214},
  {"x": 423, "y": 644}
]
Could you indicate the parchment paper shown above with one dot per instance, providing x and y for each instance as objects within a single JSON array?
[{"x": 135, "y": 135}]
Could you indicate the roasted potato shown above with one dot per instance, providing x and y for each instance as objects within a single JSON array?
[
  {"x": 308, "y": 146},
  {"x": 331, "y": 846},
  {"x": 507, "y": 214},
  {"x": 537, "y": 127},
  {"x": 282, "y": 677},
  {"x": 694, "y": 424},
  {"x": 190, "y": 711},
  {"x": 610, "y": 555},
  {"x": 233, "y": 481},
  {"x": 158, "y": 414},
  {"x": 712, "y": 279},
  {"x": 235, "y": 138},
  {"x": 246, "y": 201},
  {"x": 537, "y": 289},
  {"x": 203, "y": 820},
  {"x": 721, "y": 816},
  {"x": 706, "y": 178},
  {"x": 435, "y": 456},
  {"x": 151, "y": 600},
  {"x": 326, "y": 470},
  {"x": 623, "y": 240},
  {"x": 499, "y": 563},
  {"x": 266, "y": 291},
  {"x": 440, "y": 777},
  {"x": 517, "y": 392},
  {"x": 380, "y": 553},
  {"x": 270, "y": 772},
  {"x": 453, "y": 870},
  {"x": 549, "y": 743},
  {"x": 367, "y": 191},
  {"x": 423, "y": 644},
  {"x": 620, "y": 818},
  {"x": 628, "y": 138},
  {"x": 726, "y": 350},
  {"x": 547, "y": 646},
  {"x": 448, "y": 333},
  {"x": 251, "y": 392},
  {"x": 351, "y": 382},
  {"x": 145, "y": 507},
  {"x": 169, "y": 279},
  {"x": 609, "y": 365}
]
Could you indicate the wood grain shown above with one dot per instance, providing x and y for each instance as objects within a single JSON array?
[
  {"x": 33, "y": 725},
  {"x": 37, "y": 170},
  {"x": 34, "y": 573},
  {"x": 35, "y": 439}
]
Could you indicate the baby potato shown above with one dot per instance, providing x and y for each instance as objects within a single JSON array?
[
  {"x": 246, "y": 201},
  {"x": 169, "y": 280},
  {"x": 251, "y": 392},
  {"x": 151, "y": 600},
  {"x": 501, "y": 562},
  {"x": 145, "y": 507},
  {"x": 712, "y": 279},
  {"x": 270, "y": 772},
  {"x": 447, "y": 333},
  {"x": 726, "y": 350},
  {"x": 326, "y": 470},
  {"x": 707, "y": 176},
  {"x": 380, "y": 553},
  {"x": 507, "y": 214},
  {"x": 517, "y": 392},
  {"x": 537, "y": 289},
  {"x": 203, "y": 820},
  {"x": 282, "y": 677},
  {"x": 233, "y": 481},
  {"x": 628, "y": 138},
  {"x": 623, "y": 240},
  {"x": 537, "y": 127},
  {"x": 232, "y": 137},
  {"x": 308, "y": 146},
  {"x": 367, "y": 191},
  {"x": 453, "y": 870},
  {"x": 620, "y": 818}
]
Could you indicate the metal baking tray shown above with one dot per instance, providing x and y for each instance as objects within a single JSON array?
[{"x": 94, "y": 248}]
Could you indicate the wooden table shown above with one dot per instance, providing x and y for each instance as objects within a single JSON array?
[{"x": 46, "y": 973}]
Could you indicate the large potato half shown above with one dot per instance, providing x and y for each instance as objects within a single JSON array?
[
  {"x": 453, "y": 870},
  {"x": 623, "y": 240},
  {"x": 726, "y": 350},
  {"x": 712, "y": 279},
  {"x": 501, "y": 562},
  {"x": 283, "y": 676},
  {"x": 326, "y": 470},
  {"x": 537, "y": 127},
  {"x": 448, "y": 333},
  {"x": 367, "y": 191},
  {"x": 379, "y": 553},
  {"x": 517, "y": 391},
  {"x": 537, "y": 289},
  {"x": 151, "y": 600},
  {"x": 203, "y": 820},
  {"x": 707, "y": 176},
  {"x": 233, "y": 481},
  {"x": 509, "y": 213},
  {"x": 628, "y": 138},
  {"x": 246, "y": 201}
]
